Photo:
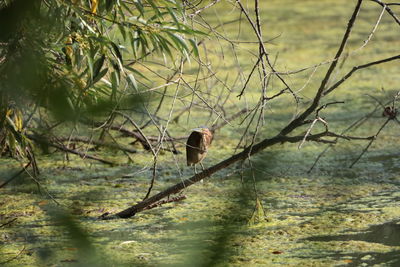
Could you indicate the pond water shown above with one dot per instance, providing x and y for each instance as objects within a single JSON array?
[
  {"x": 329, "y": 217},
  {"x": 333, "y": 216}
]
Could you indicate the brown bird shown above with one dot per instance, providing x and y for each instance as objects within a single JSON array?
[{"x": 197, "y": 145}]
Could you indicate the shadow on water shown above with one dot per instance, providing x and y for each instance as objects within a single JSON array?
[{"x": 386, "y": 234}]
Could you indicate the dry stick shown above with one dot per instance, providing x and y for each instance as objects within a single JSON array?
[
  {"x": 231, "y": 118},
  {"x": 143, "y": 136},
  {"x": 370, "y": 143},
  {"x": 337, "y": 84},
  {"x": 318, "y": 118},
  {"x": 358, "y": 122},
  {"x": 265, "y": 77},
  {"x": 204, "y": 101},
  {"x": 13, "y": 258},
  {"x": 40, "y": 186},
  {"x": 65, "y": 149},
  {"x": 261, "y": 103},
  {"x": 97, "y": 143},
  {"x": 140, "y": 137},
  {"x": 264, "y": 50},
  {"x": 356, "y": 68},
  {"x": 180, "y": 113},
  {"x": 281, "y": 137},
  {"x": 248, "y": 77},
  {"x": 9, "y": 222},
  {"x": 161, "y": 202},
  {"x": 151, "y": 149},
  {"x": 203, "y": 8},
  {"x": 162, "y": 137},
  {"x": 298, "y": 121},
  {"x": 388, "y": 9},
  {"x": 168, "y": 82},
  {"x": 129, "y": 212},
  {"x": 254, "y": 112},
  {"x": 16, "y": 175}
]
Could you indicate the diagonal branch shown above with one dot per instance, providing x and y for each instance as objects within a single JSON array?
[
  {"x": 388, "y": 9},
  {"x": 298, "y": 121},
  {"x": 356, "y": 68},
  {"x": 129, "y": 212}
]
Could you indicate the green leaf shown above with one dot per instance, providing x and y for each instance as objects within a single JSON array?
[
  {"x": 110, "y": 4},
  {"x": 136, "y": 72},
  {"x": 174, "y": 17},
  {"x": 195, "y": 47},
  {"x": 155, "y": 8},
  {"x": 132, "y": 81},
  {"x": 139, "y": 7},
  {"x": 100, "y": 75},
  {"x": 179, "y": 42},
  {"x": 165, "y": 44},
  {"x": 116, "y": 50},
  {"x": 114, "y": 83},
  {"x": 98, "y": 65},
  {"x": 122, "y": 31}
]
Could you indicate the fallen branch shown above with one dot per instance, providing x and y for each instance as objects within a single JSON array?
[
  {"x": 129, "y": 212},
  {"x": 9, "y": 222},
  {"x": 97, "y": 143},
  {"x": 16, "y": 175},
  {"x": 13, "y": 258},
  {"x": 169, "y": 200},
  {"x": 68, "y": 150}
]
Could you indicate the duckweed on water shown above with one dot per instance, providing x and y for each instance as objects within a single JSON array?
[
  {"x": 315, "y": 221},
  {"x": 333, "y": 216}
]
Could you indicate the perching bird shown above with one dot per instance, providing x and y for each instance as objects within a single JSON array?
[{"x": 197, "y": 146}]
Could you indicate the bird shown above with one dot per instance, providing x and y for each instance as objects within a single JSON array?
[{"x": 197, "y": 146}]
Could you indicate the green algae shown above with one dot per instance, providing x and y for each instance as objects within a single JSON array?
[
  {"x": 315, "y": 219},
  {"x": 297, "y": 208}
]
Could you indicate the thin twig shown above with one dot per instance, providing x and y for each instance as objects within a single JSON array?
[
  {"x": 370, "y": 143},
  {"x": 9, "y": 222},
  {"x": 72, "y": 151},
  {"x": 15, "y": 175},
  {"x": 388, "y": 9},
  {"x": 298, "y": 121},
  {"x": 15, "y": 257},
  {"x": 356, "y": 68}
]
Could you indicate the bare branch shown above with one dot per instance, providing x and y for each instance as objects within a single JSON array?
[
  {"x": 370, "y": 143},
  {"x": 388, "y": 9},
  {"x": 356, "y": 68},
  {"x": 298, "y": 121},
  {"x": 65, "y": 149}
]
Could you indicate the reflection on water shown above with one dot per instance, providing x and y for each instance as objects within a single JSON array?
[{"x": 386, "y": 234}]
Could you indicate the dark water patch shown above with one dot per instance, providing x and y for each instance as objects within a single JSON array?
[
  {"x": 391, "y": 258},
  {"x": 387, "y": 234}
]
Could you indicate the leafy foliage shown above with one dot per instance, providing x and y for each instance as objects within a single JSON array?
[{"x": 77, "y": 58}]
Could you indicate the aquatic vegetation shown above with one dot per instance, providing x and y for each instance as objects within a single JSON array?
[{"x": 269, "y": 210}]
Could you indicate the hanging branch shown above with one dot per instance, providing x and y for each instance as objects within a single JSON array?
[
  {"x": 89, "y": 141},
  {"x": 254, "y": 148},
  {"x": 68, "y": 150},
  {"x": 262, "y": 47},
  {"x": 298, "y": 121}
]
